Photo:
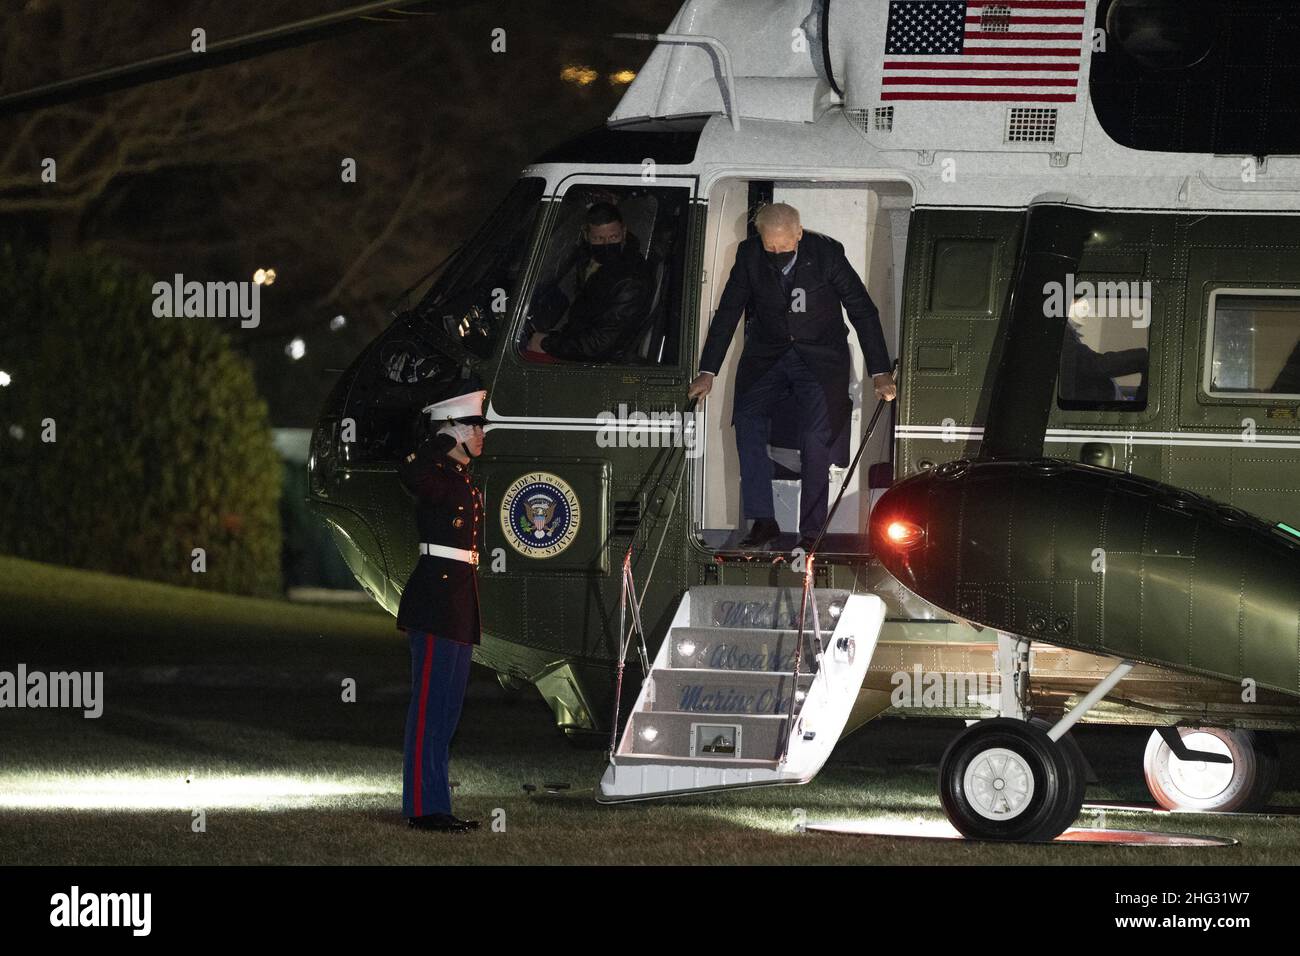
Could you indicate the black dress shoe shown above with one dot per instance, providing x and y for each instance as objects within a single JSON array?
[
  {"x": 763, "y": 533},
  {"x": 439, "y": 823},
  {"x": 467, "y": 824},
  {"x": 806, "y": 543}
]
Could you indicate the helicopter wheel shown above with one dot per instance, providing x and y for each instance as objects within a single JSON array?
[
  {"x": 1004, "y": 779},
  {"x": 1244, "y": 785}
]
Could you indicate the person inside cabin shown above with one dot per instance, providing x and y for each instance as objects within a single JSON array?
[
  {"x": 791, "y": 285},
  {"x": 1087, "y": 375},
  {"x": 610, "y": 302}
]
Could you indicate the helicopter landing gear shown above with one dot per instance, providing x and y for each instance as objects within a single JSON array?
[
  {"x": 1013, "y": 779},
  {"x": 1006, "y": 779},
  {"x": 1242, "y": 783}
]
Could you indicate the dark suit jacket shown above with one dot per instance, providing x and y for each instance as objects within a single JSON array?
[
  {"x": 441, "y": 596},
  {"x": 607, "y": 310},
  {"x": 818, "y": 333}
]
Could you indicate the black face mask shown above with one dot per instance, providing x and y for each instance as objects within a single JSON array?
[
  {"x": 606, "y": 253},
  {"x": 780, "y": 259}
]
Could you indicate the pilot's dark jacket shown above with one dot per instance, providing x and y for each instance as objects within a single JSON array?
[
  {"x": 441, "y": 596},
  {"x": 608, "y": 310},
  {"x": 818, "y": 334}
]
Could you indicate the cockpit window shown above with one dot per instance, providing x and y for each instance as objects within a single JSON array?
[{"x": 469, "y": 302}]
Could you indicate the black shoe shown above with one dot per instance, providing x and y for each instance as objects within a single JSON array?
[
  {"x": 467, "y": 824},
  {"x": 806, "y": 543},
  {"x": 763, "y": 533},
  {"x": 439, "y": 823}
]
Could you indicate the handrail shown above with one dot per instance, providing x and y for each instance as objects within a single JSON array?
[
  {"x": 628, "y": 584},
  {"x": 809, "y": 558}
]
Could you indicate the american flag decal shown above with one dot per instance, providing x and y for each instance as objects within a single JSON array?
[{"x": 1015, "y": 51}]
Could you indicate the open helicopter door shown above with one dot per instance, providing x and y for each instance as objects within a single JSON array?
[{"x": 871, "y": 220}]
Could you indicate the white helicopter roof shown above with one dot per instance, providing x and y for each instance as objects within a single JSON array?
[{"x": 999, "y": 116}]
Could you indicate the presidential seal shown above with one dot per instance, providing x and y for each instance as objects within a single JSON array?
[{"x": 540, "y": 514}]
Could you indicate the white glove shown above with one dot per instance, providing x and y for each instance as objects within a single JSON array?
[{"x": 457, "y": 430}]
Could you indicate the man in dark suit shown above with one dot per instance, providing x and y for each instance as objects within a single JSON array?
[
  {"x": 439, "y": 609},
  {"x": 791, "y": 286},
  {"x": 611, "y": 300}
]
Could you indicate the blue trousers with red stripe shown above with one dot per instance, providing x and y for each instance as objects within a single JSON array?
[{"x": 439, "y": 673}]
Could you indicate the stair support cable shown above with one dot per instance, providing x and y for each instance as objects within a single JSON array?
[{"x": 628, "y": 597}]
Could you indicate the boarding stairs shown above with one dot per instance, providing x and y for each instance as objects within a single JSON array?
[{"x": 716, "y": 712}]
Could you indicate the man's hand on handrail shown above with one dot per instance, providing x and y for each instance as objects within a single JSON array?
[{"x": 702, "y": 385}]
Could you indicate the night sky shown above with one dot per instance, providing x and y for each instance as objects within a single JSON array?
[{"x": 219, "y": 173}]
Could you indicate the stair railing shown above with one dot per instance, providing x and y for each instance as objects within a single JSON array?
[
  {"x": 809, "y": 559},
  {"x": 629, "y": 601}
]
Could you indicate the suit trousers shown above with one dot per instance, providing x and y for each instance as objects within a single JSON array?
[
  {"x": 790, "y": 378},
  {"x": 439, "y": 673}
]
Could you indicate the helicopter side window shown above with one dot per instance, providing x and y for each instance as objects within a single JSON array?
[
  {"x": 1105, "y": 357},
  {"x": 1254, "y": 344},
  {"x": 609, "y": 288}
]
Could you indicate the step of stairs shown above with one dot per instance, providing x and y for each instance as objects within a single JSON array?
[
  {"x": 739, "y": 649},
  {"x": 757, "y": 607},
  {"x": 715, "y": 738},
  {"x": 708, "y": 691}
]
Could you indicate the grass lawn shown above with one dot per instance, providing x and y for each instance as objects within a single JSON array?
[{"x": 233, "y": 706}]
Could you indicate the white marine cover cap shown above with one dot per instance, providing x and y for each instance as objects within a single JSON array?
[{"x": 458, "y": 407}]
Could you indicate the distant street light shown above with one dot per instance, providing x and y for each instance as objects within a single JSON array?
[
  {"x": 264, "y": 276},
  {"x": 296, "y": 349},
  {"x": 582, "y": 75},
  {"x": 337, "y": 323},
  {"x": 4, "y": 378}
]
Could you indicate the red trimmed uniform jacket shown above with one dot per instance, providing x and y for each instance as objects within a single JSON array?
[{"x": 441, "y": 595}]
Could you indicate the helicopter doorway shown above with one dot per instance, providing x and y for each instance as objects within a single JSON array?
[{"x": 871, "y": 221}]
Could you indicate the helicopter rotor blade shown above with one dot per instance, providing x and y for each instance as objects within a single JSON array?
[{"x": 221, "y": 53}]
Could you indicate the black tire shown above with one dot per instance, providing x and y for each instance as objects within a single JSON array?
[
  {"x": 1076, "y": 773},
  {"x": 1021, "y": 784}
]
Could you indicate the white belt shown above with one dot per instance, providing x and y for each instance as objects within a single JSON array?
[{"x": 443, "y": 551}]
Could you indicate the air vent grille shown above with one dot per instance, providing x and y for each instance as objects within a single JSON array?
[
  {"x": 627, "y": 515},
  {"x": 1026, "y": 124}
]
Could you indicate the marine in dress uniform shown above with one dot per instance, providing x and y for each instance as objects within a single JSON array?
[{"x": 439, "y": 610}]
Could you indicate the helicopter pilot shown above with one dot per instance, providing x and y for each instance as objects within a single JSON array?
[
  {"x": 439, "y": 610},
  {"x": 791, "y": 285},
  {"x": 610, "y": 304}
]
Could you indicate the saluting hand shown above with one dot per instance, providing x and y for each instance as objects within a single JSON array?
[{"x": 701, "y": 386}]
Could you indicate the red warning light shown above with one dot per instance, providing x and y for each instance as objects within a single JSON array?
[{"x": 904, "y": 534}]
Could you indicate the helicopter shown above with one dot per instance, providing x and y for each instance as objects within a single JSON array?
[
  {"x": 1086, "y": 490},
  {"x": 1079, "y": 219}
]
